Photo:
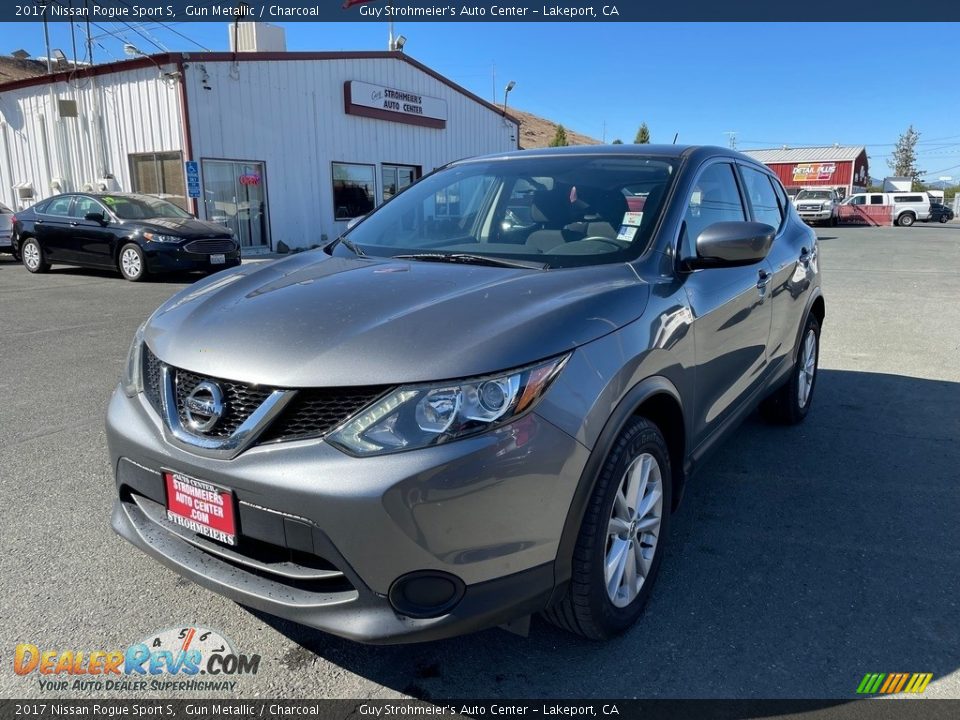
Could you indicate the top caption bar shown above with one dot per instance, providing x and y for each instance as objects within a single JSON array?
[{"x": 440, "y": 11}]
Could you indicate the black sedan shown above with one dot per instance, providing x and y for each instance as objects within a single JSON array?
[
  {"x": 135, "y": 234},
  {"x": 940, "y": 213}
]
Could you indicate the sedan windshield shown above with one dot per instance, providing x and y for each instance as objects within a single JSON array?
[
  {"x": 557, "y": 211},
  {"x": 142, "y": 207},
  {"x": 814, "y": 195}
]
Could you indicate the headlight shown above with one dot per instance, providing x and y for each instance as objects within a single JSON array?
[
  {"x": 158, "y": 238},
  {"x": 418, "y": 416},
  {"x": 132, "y": 380}
]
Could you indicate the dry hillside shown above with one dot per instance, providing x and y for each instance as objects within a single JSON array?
[
  {"x": 537, "y": 132},
  {"x": 12, "y": 69}
]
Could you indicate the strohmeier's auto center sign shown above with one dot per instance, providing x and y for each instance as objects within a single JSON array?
[{"x": 387, "y": 103}]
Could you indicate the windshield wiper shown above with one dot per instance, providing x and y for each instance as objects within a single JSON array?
[
  {"x": 468, "y": 259},
  {"x": 348, "y": 244}
]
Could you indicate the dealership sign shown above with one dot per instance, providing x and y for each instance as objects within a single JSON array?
[
  {"x": 808, "y": 172},
  {"x": 388, "y": 103}
]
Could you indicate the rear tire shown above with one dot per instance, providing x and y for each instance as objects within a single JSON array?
[
  {"x": 790, "y": 404},
  {"x": 621, "y": 539},
  {"x": 943, "y": 218},
  {"x": 131, "y": 263},
  {"x": 906, "y": 220},
  {"x": 33, "y": 258}
]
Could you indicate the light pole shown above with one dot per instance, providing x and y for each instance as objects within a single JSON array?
[{"x": 506, "y": 91}]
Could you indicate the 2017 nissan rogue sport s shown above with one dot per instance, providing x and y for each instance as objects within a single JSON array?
[{"x": 481, "y": 402}]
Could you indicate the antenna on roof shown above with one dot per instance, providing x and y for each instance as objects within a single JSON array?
[{"x": 675, "y": 136}]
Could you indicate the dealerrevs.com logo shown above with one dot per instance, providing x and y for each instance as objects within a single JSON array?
[{"x": 177, "y": 659}]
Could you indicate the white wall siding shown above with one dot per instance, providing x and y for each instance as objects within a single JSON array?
[
  {"x": 290, "y": 115},
  {"x": 119, "y": 114}
]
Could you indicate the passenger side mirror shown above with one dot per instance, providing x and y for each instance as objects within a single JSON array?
[
  {"x": 353, "y": 221},
  {"x": 730, "y": 244},
  {"x": 97, "y": 217}
]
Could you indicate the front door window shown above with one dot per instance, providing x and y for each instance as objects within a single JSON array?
[{"x": 235, "y": 195}]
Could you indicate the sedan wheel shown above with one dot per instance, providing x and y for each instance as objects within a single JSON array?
[
  {"x": 944, "y": 218},
  {"x": 621, "y": 537},
  {"x": 132, "y": 264},
  {"x": 32, "y": 255}
]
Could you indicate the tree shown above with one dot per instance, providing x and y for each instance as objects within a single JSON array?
[
  {"x": 643, "y": 135},
  {"x": 559, "y": 138},
  {"x": 903, "y": 161},
  {"x": 618, "y": 141}
]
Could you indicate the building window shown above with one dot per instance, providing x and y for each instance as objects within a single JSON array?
[
  {"x": 395, "y": 178},
  {"x": 159, "y": 174},
  {"x": 353, "y": 190}
]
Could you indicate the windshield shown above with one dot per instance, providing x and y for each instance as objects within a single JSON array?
[
  {"x": 142, "y": 207},
  {"x": 560, "y": 211},
  {"x": 814, "y": 195}
]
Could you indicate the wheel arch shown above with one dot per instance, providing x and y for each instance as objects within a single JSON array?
[{"x": 655, "y": 398}]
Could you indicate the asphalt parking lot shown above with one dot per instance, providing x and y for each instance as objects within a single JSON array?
[{"x": 801, "y": 559}]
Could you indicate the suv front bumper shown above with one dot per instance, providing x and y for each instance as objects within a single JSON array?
[{"x": 324, "y": 536}]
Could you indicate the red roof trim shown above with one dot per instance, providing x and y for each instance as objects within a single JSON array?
[{"x": 177, "y": 58}]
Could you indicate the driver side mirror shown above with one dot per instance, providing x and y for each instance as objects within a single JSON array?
[
  {"x": 732, "y": 244},
  {"x": 97, "y": 217},
  {"x": 354, "y": 220}
]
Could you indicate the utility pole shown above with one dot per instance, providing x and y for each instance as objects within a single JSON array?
[
  {"x": 46, "y": 34},
  {"x": 86, "y": 4}
]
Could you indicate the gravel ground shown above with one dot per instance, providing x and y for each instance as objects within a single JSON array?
[{"x": 801, "y": 559}]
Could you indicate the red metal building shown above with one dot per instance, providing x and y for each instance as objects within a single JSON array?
[{"x": 842, "y": 167}]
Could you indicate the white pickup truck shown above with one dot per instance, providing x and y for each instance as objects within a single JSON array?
[{"x": 817, "y": 205}]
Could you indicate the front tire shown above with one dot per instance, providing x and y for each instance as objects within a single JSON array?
[
  {"x": 621, "y": 539},
  {"x": 131, "y": 263},
  {"x": 790, "y": 404},
  {"x": 943, "y": 218},
  {"x": 33, "y": 258}
]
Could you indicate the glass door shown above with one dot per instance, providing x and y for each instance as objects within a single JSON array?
[{"x": 235, "y": 195}]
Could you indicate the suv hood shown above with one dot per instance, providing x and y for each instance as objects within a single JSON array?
[
  {"x": 319, "y": 321},
  {"x": 188, "y": 228}
]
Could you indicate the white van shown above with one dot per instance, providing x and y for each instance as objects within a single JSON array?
[{"x": 908, "y": 207}]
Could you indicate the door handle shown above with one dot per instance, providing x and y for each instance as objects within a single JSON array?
[
  {"x": 74, "y": 224},
  {"x": 764, "y": 278}
]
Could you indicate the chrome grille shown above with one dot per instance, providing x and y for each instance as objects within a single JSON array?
[
  {"x": 316, "y": 411},
  {"x": 151, "y": 377},
  {"x": 206, "y": 247},
  {"x": 240, "y": 400},
  {"x": 313, "y": 412}
]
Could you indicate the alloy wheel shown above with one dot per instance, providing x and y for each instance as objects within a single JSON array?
[
  {"x": 130, "y": 262},
  {"x": 31, "y": 256},
  {"x": 633, "y": 530},
  {"x": 808, "y": 368}
]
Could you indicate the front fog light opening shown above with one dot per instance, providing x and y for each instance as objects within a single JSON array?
[{"x": 426, "y": 593}]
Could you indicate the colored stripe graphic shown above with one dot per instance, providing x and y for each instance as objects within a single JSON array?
[{"x": 892, "y": 683}]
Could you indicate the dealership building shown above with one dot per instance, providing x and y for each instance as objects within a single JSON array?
[
  {"x": 280, "y": 146},
  {"x": 844, "y": 168}
]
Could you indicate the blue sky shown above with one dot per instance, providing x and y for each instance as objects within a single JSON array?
[{"x": 772, "y": 84}]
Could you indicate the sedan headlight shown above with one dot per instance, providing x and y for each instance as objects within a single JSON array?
[
  {"x": 417, "y": 416},
  {"x": 158, "y": 238},
  {"x": 132, "y": 380}
]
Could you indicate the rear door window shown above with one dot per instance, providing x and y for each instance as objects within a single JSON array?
[
  {"x": 59, "y": 206},
  {"x": 762, "y": 198}
]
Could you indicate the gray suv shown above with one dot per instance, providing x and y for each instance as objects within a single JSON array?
[{"x": 481, "y": 402}]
